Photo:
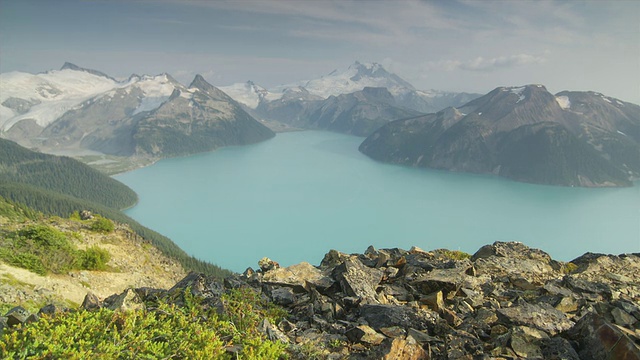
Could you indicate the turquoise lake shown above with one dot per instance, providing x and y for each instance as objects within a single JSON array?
[{"x": 295, "y": 197}]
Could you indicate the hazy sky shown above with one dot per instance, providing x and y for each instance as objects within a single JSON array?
[{"x": 447, "y": 45}]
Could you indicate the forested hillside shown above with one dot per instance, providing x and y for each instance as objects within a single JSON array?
[
  {"x": 60, "y": 186},
  {"x": 61, "y": 175}
]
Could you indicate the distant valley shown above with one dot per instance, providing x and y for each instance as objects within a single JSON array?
[{"x": 521, "y": 133}]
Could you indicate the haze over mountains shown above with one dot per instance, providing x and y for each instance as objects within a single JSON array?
[{"x": 523, "y": 133}]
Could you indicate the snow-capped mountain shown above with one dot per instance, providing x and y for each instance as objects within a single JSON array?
[
  {"x": 346, "y": 81},
  {"x": 248, "y": 93},
  {"x": 75, "y": 108},
  {"x": 355, "y": 78}
]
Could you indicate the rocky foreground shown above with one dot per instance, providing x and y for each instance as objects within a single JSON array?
[{"x": 506, "y": 301}]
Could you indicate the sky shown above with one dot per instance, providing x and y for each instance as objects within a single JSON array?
[{"x": 472, "y": 46}]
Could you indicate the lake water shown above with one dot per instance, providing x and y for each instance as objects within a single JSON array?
[{"x": 295, "y": 197}]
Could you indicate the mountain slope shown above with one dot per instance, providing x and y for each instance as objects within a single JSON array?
[
  {"x": 359, "y": 113},
  {"x": 523, "y": 133},
  {"x": 200, "y": 118}
]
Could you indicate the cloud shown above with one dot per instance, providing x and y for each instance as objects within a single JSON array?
[{"x": 486, "y": 65}]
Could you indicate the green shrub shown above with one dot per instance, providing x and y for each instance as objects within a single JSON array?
[
  {"x": 568, "y": 268},
  {"x": 453, "y": 254},
  {"x": 165, "y": 331},
  {"x": 95, "y": 258},
  {"x": 102, "y": 225},
  {"x": 45, "y": 236}
]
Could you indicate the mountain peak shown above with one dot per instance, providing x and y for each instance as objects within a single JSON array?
[
  {"x": 200, "y": 83},
  {"x": 71, "y": 66}
]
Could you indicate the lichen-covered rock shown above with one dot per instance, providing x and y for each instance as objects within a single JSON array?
[
  {"x": 358, "y": 280},
  {"x": 382, "y": 316},
  {"x": 267, "y": 264},
  {"x": 543, "y": 317},
  {"x": 405, "y": 349},
  {"x": 298, "y": 276}
]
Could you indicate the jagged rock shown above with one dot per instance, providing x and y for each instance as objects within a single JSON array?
[
  {"x": 358, "y": 280},
  {"x": 91, "y": 302},
  {"x": 393, "y": 331},
  {"x": 150, "y": 294},
  {"x": 364, "y": 334},
  {"x": 558, "y": 348},
  {"x": 448, "y": 281},
  {"x": 267, "y": 264},
  {"x": 421, "y": 336},
  {"x": 599, "y": 339},
  {"x": 16, "y": 316},
  {"x": 128, "y": 300},
  {"x": 623, "y": 318},
  {"x": 382, "y": 316},
  {"x": 568, "y": 304},
  {"x": 200, "y": 285},
  {"x": 272, "y": 332},
  {"x": 525, "y": 341},
  {"x": 543, "y": 317},
  {"x": 282, "y": 295},
  {"x": 298, "y": 276},
  {"x": 332, "y": 259},
  {"x": 512, "y": 249},
  {"x": 398, "y": 348},
  {"x": 52, "y": 309},
  {"x": 434, "y": 300},
  {"x": 463, "y": 345}
]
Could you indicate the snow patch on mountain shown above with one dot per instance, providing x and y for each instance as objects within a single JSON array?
[
  {"x": 355, "y": 78},
  {"x": 248, "y": 93},
  {"x": 156, "y": 90},
  {"x": 564, "y": 102},
  {"x": 52, "y": 93}
]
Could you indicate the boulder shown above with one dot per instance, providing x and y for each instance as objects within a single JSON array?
[
  {"x": 558, "y": 348},
  {"x": 272, "y": 332},
  {"x": 599, "y": 339},
  {"x": 267, "y": 264},
  {"x": 364, "y": 334},
  {"x": 91, "y": 302},
  {"x": 542, "y": 317},
  {"x": 526, "y": 341},
  {"x": 358, "y": 280},
  {"x": 298, "y": 276},
  {"x": 128, "y": 300},
  {"x": 398, "y": 348},
  {"x": 383, "y": 316},
  {"x": 17, "y": 316},
  {"x": 52, "y": 309}
]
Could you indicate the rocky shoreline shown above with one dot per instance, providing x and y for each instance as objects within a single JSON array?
[{"x": 507, "y": 301}]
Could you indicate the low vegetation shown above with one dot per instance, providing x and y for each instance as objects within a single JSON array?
[
  {"x": 44, "y": 249},
  {"x": 163, "y": 331}
]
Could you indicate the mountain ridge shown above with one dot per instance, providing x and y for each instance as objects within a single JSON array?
[
  {"x": 523, "y": 133},
  {"x": 78, "y": 110}
]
